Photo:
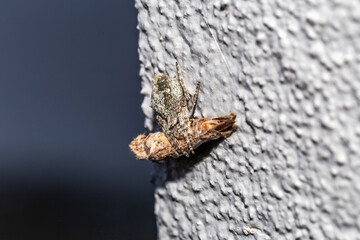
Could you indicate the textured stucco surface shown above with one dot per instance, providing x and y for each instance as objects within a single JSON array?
[{"x": 290, "y": 70}]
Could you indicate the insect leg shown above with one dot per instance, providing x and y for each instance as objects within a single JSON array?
[
  {"x": 194, "y": 100},
  {"x": 183, "y": 129},
  {"x": 181, "y": 80},
  {"x": 168, "y": 133},
  {"x": 188, "y": 138}
]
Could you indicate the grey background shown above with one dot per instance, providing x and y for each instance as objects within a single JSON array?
[
  {"x": 69, "y": 106},
  {"x": 290, "y": 70}
]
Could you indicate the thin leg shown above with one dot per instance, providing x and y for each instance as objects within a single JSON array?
[
  {"x": 173, "y": 141},
  {"x": 194, "y": 100},
  {"x": 181, "y": 80},
  {"x": 185, "y": 131}
]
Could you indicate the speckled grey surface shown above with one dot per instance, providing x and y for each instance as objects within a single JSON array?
[{"x": 290, "y": 70}]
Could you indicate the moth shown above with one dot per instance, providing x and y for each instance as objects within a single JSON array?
[
  {"x": 181, "y": 133},
  {"x": 157, "y": 147}
]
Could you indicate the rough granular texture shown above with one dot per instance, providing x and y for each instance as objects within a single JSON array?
[{"x": 290, "y": 70}]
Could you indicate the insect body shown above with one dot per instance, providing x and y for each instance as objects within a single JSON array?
[
  {"x": 174, "y": 107},
  {"x": 156, "y": 146}
]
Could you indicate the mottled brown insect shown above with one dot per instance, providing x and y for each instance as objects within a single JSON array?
[
  {"x": 157, "y": 147},
  {"x": 174, "y": 108}
]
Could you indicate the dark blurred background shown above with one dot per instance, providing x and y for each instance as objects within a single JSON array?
[{"x": 69, "y": 106}]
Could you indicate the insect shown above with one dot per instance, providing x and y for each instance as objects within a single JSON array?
[
  {"x": 174, "y": 108},
  {"x": 156, "y": 146}
]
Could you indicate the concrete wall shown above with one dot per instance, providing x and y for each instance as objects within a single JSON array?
[{"x": 290, "y": 70}]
